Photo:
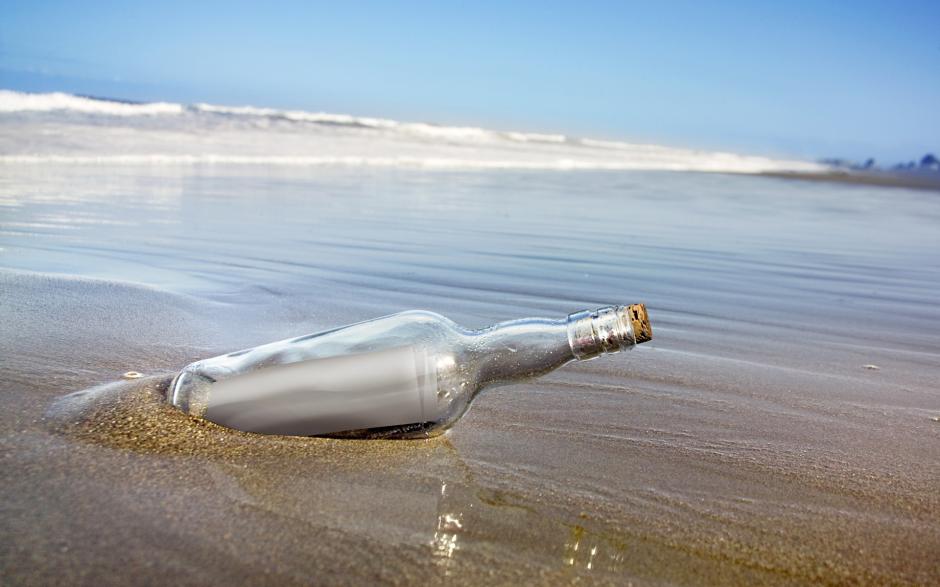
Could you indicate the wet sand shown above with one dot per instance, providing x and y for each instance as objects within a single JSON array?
[
  {"x": 748, "y": 443},
  {"x": 916, "y": 179}
]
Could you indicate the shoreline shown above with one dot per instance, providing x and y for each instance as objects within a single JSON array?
[{"x": 926, "y": 181}]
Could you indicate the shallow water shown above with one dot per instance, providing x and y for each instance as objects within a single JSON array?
[{"x": 747, "y": 443}]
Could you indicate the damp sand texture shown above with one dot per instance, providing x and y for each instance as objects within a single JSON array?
[{"x": 782, "y": 427}]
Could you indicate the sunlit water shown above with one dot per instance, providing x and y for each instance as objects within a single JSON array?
[{"x": 781, "y": 426}]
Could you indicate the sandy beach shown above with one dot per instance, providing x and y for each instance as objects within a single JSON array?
[
  {"x": 781, "y": 428},
  {"x": 923, "y": 179}
]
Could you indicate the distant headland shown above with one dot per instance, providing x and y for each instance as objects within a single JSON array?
[{"x": 923, "y": 174}]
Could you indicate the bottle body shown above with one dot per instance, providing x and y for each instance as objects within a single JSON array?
[{"x": 408, "y": 375}]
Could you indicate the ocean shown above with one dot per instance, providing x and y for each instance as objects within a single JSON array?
[{"x": 64, "y": 128}]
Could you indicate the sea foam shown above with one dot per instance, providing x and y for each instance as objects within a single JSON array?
[
  {"x": 21, "y": 102},
  {"x": 69, "y": 129}
]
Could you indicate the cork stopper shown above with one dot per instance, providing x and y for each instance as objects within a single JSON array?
[{"x": 642, "y": 331}]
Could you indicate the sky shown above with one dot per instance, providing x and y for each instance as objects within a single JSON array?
[{"x": 805, "y": 79}]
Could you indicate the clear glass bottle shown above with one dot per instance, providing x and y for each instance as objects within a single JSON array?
[{"x": 408, "y": 375}]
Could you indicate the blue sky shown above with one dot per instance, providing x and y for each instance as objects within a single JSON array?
[{"x": 795, "y": 78}]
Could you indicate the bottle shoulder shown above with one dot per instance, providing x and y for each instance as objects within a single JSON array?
[
  {"x": 423, "y": 316},
  {"x": 423, "y": 324}
]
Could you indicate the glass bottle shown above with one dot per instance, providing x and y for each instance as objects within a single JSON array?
[{"x": 408, "y": 375}]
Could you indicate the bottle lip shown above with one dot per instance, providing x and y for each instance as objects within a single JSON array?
[{"x": 609, "y": 329}]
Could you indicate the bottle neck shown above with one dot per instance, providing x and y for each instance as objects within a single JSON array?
[
  {"x": 607, "y": 330},
  {"x": 521, "y": 349}
]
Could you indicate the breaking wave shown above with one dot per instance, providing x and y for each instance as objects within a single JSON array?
[
  {"x": 57, "y": 101},
  {"x": 69, "y": 129}
]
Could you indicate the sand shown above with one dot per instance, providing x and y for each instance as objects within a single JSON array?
[
  {"x": 751, "y": 442},
  {"x": 924, "y": 179}
]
